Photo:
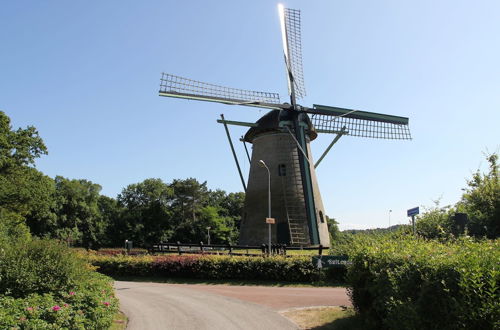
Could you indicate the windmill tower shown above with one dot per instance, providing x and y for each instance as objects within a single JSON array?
[{"x": 281, "y": 142}]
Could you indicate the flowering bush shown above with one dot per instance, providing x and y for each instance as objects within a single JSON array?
[
  {"x": 91, "y": 307},
  {"x": 43, "y": 285}
]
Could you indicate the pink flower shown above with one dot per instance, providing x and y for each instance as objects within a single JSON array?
[
  {"x": 72, "y": 293},
  {"x": 56, "y": 308},
  {"x": 22, "y": 319},
  {"x": 29, "y": 309},
  {"x": 66, "y": 305},
  {"x": 106, "y": 303}
]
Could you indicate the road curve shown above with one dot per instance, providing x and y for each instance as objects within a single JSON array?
[{"x": 151, "y": 306}]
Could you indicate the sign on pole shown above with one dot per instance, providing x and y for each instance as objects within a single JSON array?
[
  {"x": 270, "y": 221},
  {"x": 414, "y": 211},
  {"x": 330, "y": 261}
]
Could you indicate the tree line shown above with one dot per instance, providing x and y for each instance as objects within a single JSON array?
[{"x": 74, "y": 211}]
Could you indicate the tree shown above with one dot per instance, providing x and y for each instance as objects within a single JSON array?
[
  {"x": 481, "y": 201},
  {"x": 111, "y": 213},
  {"x": 78, "y": 217},
  {"x": 435, "y": 222},
  {"x": 230, "y": 207},
  {"x": 146, "y": 216},
  {"x": 24, "y": 191},
  {"x": 20, "y": 147},
  {"x": 189, "y": 197},
  {"x": 333, "y": 228}
]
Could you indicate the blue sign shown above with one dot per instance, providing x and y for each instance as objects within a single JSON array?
[{"x": 413, "y": 211}]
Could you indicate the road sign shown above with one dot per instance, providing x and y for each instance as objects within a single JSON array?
[
  {"x": 413, "y": 211},
  {"x": 330, "y": 261},
  {"x": 270, "y": 221}
]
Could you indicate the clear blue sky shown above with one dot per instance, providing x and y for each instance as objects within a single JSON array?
[{"x": 86, "y": 74}]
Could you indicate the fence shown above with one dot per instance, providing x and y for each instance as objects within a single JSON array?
[{"x": 236, "y": 250}]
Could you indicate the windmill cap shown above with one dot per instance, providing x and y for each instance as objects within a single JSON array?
[{"x": 270, "y": 123}]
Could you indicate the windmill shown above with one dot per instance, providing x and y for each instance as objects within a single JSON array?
[{"x": 281, "y": 139}]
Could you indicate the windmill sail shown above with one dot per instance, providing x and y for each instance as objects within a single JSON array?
[
  {"x": 175, "y": 86},
  {"x": 292, "y": 47},
  {"x": 359, "y": 123},
  {"x": 282, "y": 139}
]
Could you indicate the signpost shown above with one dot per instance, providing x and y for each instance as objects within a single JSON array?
[
  {"x": 270, "y": 221},
  {"x": 330, "y": 261},
  {"x": 412, "y": 213}
]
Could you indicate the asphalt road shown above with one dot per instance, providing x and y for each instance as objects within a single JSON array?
[{"x": 151, "y": 306}]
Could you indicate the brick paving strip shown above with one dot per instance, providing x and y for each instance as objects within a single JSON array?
[{"x": 279, "y": 298}]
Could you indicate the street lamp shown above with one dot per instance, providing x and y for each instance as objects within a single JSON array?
[
  {"x": 262, "y": 164},
  {"x": 208, "y": 234},
  {"x": 390, "y": 211}
]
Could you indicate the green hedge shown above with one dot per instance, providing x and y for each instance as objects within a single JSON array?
[
  {"x": 417, "y": 284},
  {"x": 44, "y": 285},
  {"x": 210, "y": 267}
]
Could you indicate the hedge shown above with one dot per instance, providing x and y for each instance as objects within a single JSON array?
[
  {"x": 417, "y": 284},
  {"x": 210, "y": 267}
]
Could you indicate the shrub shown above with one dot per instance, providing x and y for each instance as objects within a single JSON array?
[
  {"x": 418, "y": 284},
  {"x": 39, "y": 266},
  {"x": 278, "y": 268},
  {"x": 90, "y": 307},
  {"x": 44, "y": 285}
]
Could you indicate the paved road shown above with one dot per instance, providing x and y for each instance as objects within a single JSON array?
[
  {"x": 151, "y": 306},
  {"x": 279, "y": 298}
]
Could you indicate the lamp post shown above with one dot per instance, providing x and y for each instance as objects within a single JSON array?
[
  {"x": 208, "y": 234},
  {"x": 261, "y": 163},
  {"x": 390, "y": 211}
]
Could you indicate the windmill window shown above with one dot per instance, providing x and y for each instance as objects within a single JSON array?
[
  {"x": 321, "y": 217},
  {"x": 281, "y": 170}
]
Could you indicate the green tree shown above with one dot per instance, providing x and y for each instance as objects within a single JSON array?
[
  {"x": 435, "y": 222},
  {"x": 111, "y": 214},
  {"x": 18, "y": 147},
  {"x": 481, "y": 201},
  {"x": 78, "y": 217},
  {"x": 333, "y": 228},
  {"x": 24, "y": 191},
  {"x": 147, "y": 215},
  {"x": 189, "y": 197},
  {"x": 230, "y": 209}
]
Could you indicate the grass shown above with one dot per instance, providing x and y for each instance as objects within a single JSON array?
[
  {"x": 119, "y": 322},
  {"x": 326, "y": 318},
  {"x": 158, "y": 279}
]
